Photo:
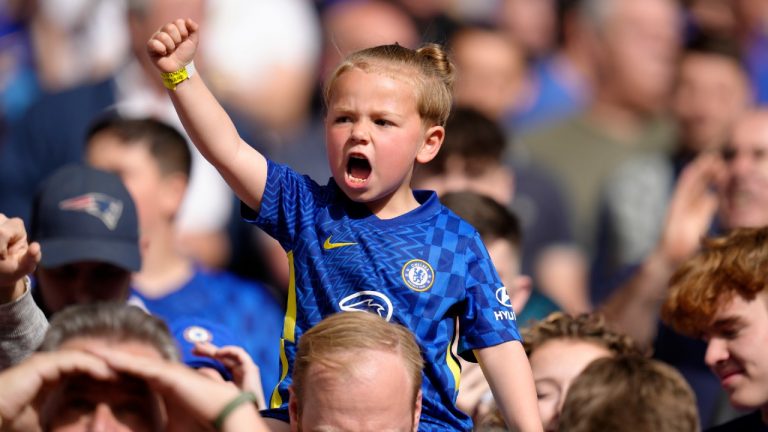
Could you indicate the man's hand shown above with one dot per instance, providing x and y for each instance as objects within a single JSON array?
[
  {"x": 174, "y": 45},
  {"x": 692, "y": 208},
  {"x": 18, "y": 258}
]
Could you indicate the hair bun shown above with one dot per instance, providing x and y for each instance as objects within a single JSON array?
[{"x": 439, "y": 59}]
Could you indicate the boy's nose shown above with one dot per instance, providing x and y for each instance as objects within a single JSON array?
[
  {"x": 360, "y": 132},
  {"x": 716, "y": 352}
]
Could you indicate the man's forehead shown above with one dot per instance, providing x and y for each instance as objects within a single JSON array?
[{"x": 751, "y": 131}]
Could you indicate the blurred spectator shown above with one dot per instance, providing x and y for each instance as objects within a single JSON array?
[
  {"x": 559, "y": 82},
  {"x": 616, "y": 392},
  {"x": 86, "y": 223},
  {"x": 356, "y": 371},
  {"x": 579, "y": 339},
  {"x": 712, "y": 195},
  {"x": 78, "y": 41},
  {"x": 154, "y": 161},
  {"x": 278, "y": 67},
  {"x": 19, "y": 84},
  {"x": 113, "y": 367},
  {"x": 52, "y": 132},
  {"x": 531, "y": 24},
  {"x": 711, "y": 92},
  {"x": 634, "y": 46},
  {"x": 752, "y": 31},
  {"x": 492, "y": 69},
  {"x": 720, "y": 296},
  {"x": 471, "y": 160}
]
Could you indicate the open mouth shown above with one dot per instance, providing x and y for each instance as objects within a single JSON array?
[{"x": 358, "y": 169}]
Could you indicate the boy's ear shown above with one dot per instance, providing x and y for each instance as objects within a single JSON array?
[{"x": 433, "y": 140}]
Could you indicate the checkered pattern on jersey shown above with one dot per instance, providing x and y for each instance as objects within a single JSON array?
[{"x": 424, "y": 269}]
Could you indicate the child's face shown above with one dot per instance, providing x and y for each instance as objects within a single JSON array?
[
  {"x": 737, "y": 353},
  {"x": 553, "y": 376},
  {"x": 374, "y": 134}
]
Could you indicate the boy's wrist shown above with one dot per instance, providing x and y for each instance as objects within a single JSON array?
[{"x": 173, "y": 79}]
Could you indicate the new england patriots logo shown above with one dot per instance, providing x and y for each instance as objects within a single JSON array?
[
  {"x": 368, "y": 301},
  {"x": 104, "y": 207}
]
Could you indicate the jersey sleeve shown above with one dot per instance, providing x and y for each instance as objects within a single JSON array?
[
  {"x": 288, "y": 198},
  {"x": 488, "y": 318}
]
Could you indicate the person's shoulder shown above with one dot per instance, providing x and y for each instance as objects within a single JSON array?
[{"x": 752, "y": 422}]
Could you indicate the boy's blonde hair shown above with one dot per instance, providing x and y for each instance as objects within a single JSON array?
[
  {"x": 337, "y": 340},
  {"x": 727, "y": 266},
  {"x": 629, "y": 393},
  {"x": 427, "y": 68}
]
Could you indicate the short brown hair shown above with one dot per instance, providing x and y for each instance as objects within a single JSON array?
[
  {"x": 116, "y": 322},
  {"x": 583, "y": 327},
  {"x": 427, "y": 68},
  {"x": 165, "y": 144},
  {"x": 350, "y": 332},
  {"x": 614, "y": 392},
  {"x": 726, "y": 266}
]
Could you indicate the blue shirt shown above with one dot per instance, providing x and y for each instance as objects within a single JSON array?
[
  {"x": 424, "y": 270},
  {"x": 247, "y": 309}
]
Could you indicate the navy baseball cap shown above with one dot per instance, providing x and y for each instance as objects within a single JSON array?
[
  {"x": 189, "y": 330},
  {"x": 84, "y": 214}
]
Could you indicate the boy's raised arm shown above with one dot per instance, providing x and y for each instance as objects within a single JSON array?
[
  {"x": 171, "y": 49},
  {"x": 508, "y": 372}
]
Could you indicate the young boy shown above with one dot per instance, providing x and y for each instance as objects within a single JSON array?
[
  {"x": 721, "y": 296},
  {"x": 154, "y": 161},
  {"x": 366, "y": 241}
]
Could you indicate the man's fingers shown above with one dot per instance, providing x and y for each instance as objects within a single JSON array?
[{"x": 52, "y": 366}]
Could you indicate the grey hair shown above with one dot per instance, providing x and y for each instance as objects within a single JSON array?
[{"x": 116, "y": 322}]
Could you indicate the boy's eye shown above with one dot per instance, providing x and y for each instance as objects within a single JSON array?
[
  {"x": 383, "y": 122},
  {"x": 342, "y": 119}
]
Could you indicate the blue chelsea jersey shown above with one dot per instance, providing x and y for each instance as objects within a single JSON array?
[{"x": 425, "y": 270}]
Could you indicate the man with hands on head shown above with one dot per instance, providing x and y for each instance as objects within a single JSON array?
[{"x": 113, "y": 367}]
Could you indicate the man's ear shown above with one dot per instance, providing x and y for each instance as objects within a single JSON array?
[
  {"x": 293, "y": 409},
  {"x": 417, "y": 411},
  {"x": 433, "y": 140},
  {"x": 174, "y": 188}
]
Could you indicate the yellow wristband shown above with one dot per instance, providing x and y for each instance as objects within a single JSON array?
[{"x": 172, "y": 79}]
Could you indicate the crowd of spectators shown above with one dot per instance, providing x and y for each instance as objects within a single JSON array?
[{"x": 612, "y": 155}]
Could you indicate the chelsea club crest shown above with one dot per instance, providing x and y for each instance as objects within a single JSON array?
[{"x": 418, "y": 275}]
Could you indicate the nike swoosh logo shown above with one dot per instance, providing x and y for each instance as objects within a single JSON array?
[{"x": 328, "y": 245}]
